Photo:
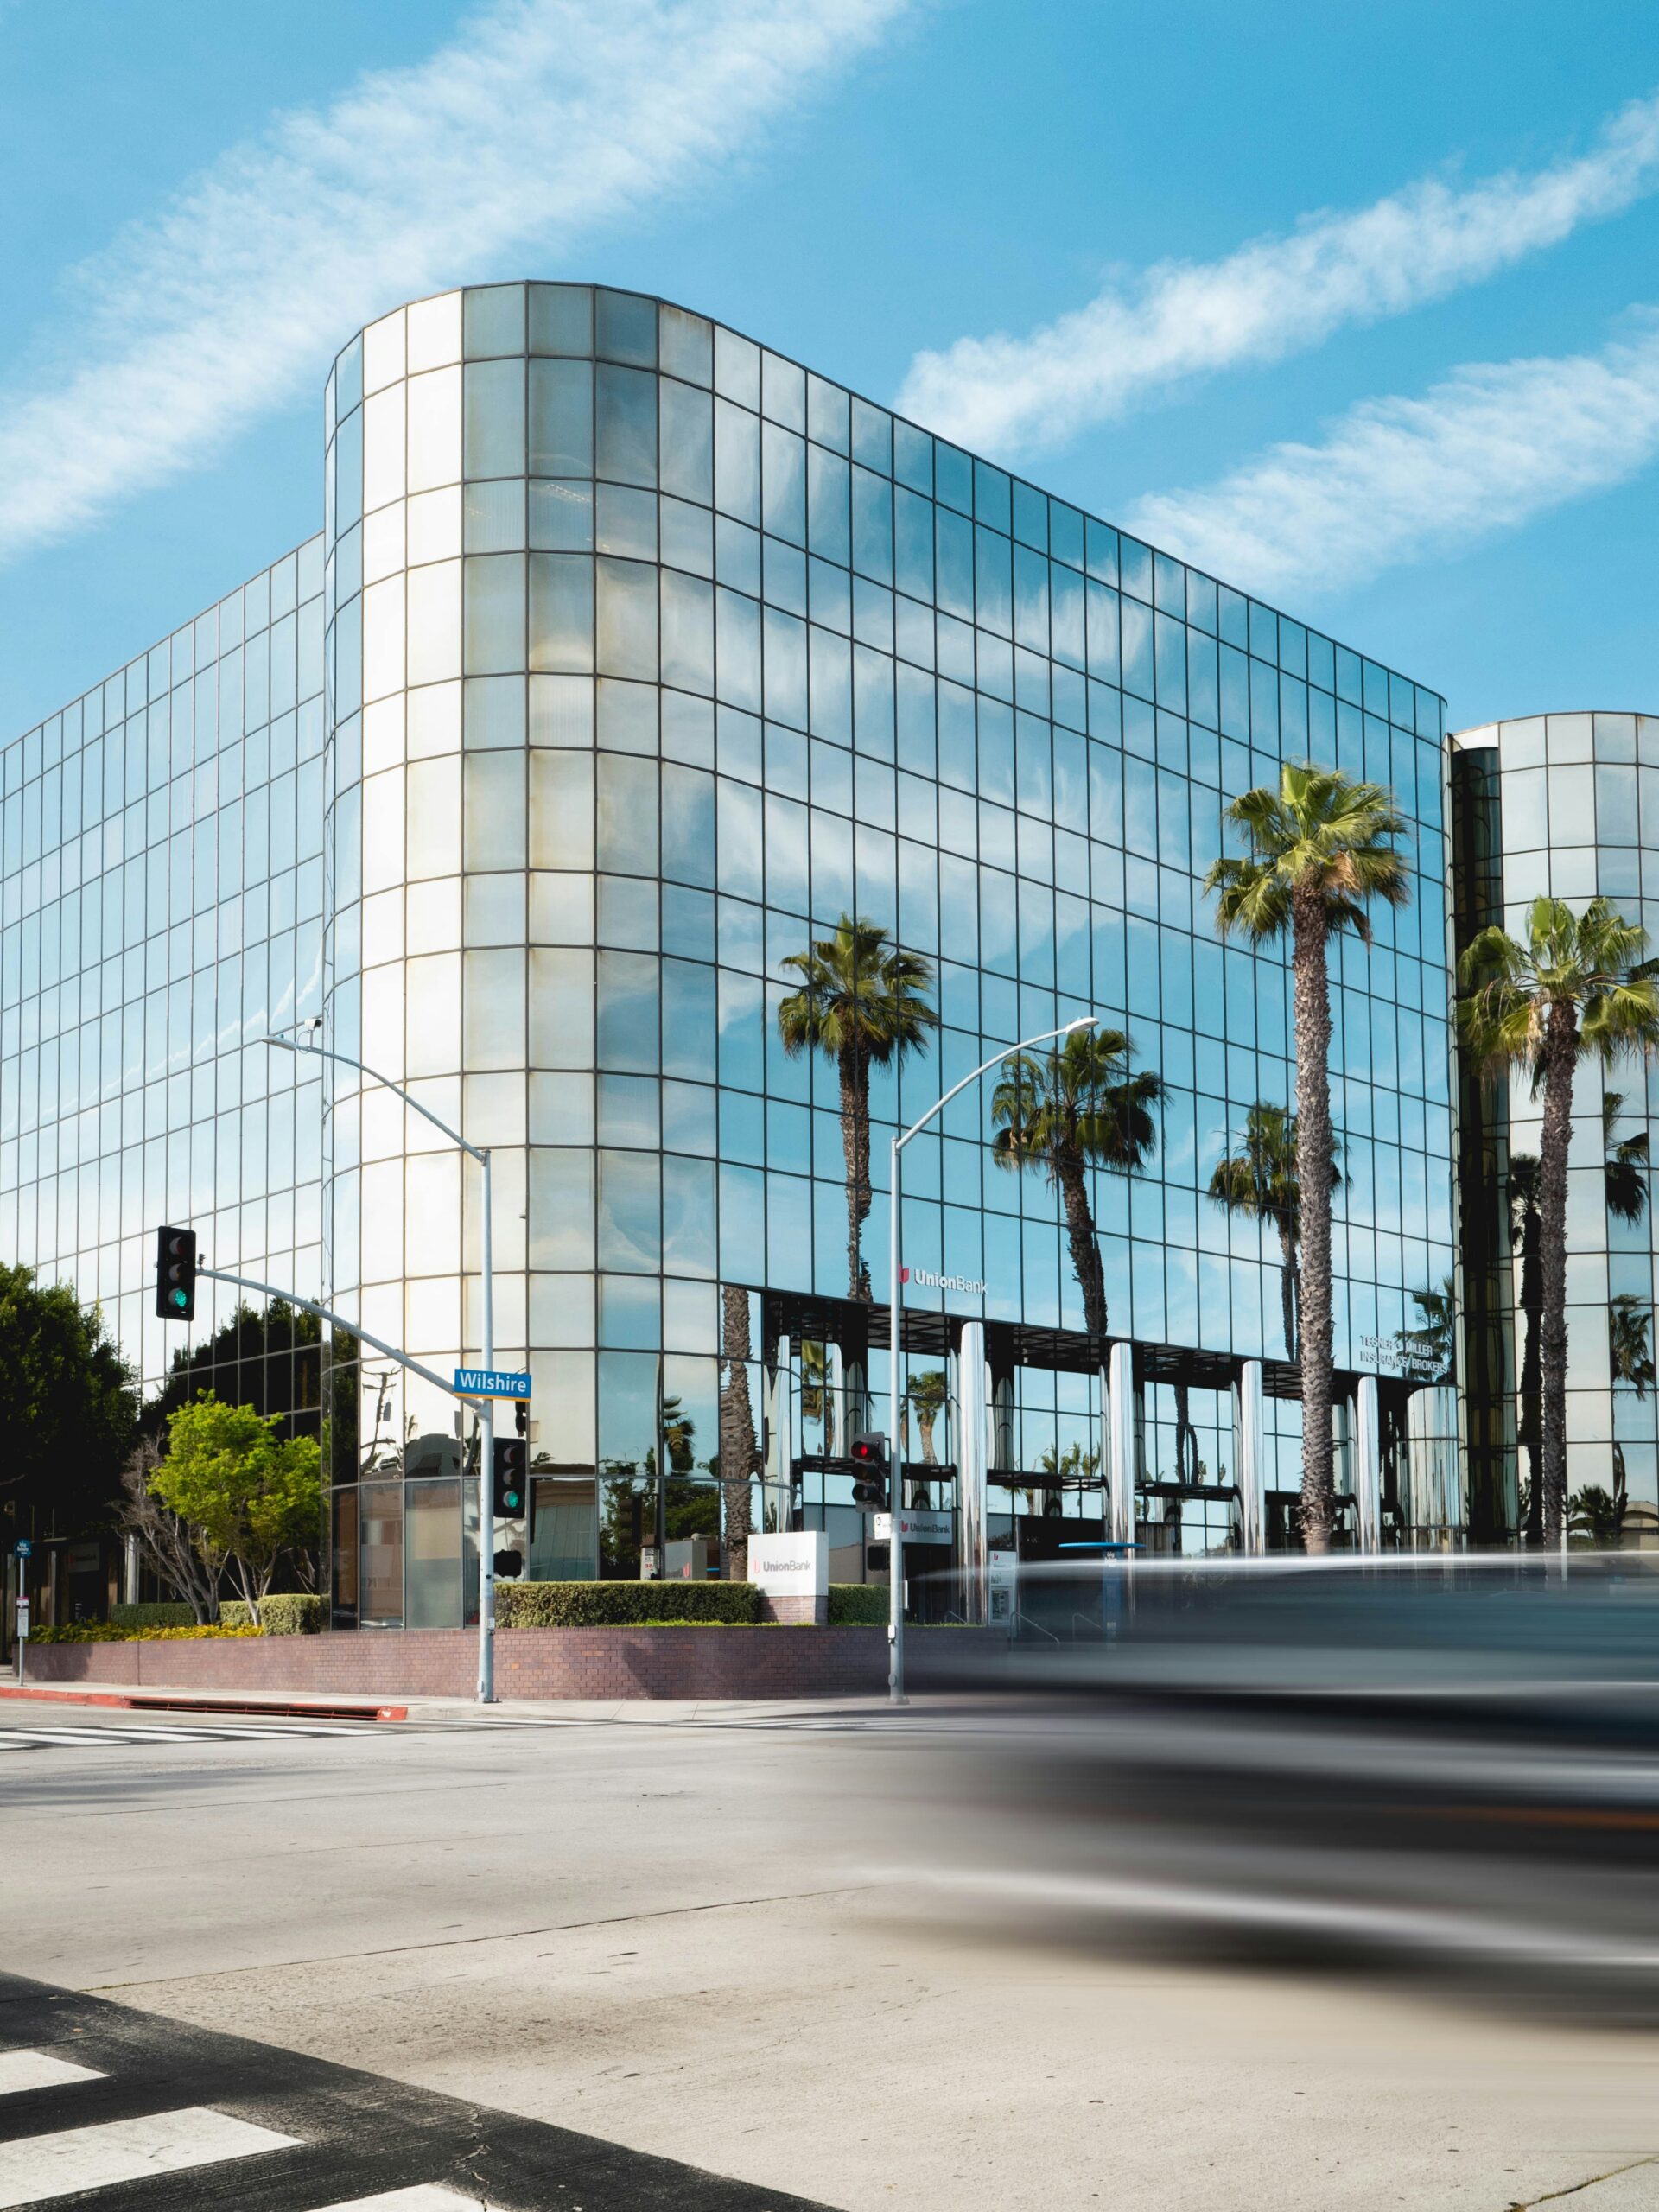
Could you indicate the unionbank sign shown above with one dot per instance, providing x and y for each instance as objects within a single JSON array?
[{"x": 929, "y": 1281}]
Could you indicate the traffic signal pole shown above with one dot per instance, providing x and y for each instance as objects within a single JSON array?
[{"x": 486, "y": 1469}]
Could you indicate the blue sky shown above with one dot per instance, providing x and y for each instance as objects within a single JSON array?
[{"x": 1358, "y": 307}]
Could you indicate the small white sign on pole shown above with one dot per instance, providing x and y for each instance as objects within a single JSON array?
[{"x": 795, "y": 1565}]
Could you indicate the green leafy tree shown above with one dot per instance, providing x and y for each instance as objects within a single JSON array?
[
  {"x": 1260, "y": 1182},
  {"x": 67, "y": 1406},
  {"x": 1067, "y": 1110},
  {"x": 1574, "y": 986},
  {"x": 1320, "y": 849},
  {"x": 247, "y": 1496},
  {"x": 862, "y": 1003}
]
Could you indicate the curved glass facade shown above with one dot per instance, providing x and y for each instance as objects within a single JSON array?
[
  {"x": 649, "y": 657},
  {"x": 1567, "y": 805}
]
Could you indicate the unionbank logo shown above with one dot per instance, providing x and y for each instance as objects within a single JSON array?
[{"x": 929, "y": 1281}]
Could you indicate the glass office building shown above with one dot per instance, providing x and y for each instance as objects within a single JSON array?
[
  {"x": 1565, "y": 805},
  {"x": 632, "y": 659}
]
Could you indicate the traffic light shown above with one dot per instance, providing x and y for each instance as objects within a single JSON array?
[
  {"x": 507, "y": 1478},
  {"x": 521, "y": 1415},
  {"x": 869, "y": 1456},
  {"x": 175, "y": 1273}
]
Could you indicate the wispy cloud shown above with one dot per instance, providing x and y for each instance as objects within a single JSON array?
[
  {"x": 1493, "y": 446},
  {"x": 540, "y": 123},
  {"x": 1273, "y": 297}
]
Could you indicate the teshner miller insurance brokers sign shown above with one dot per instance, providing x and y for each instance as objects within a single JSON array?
[{"x": 928, "y": 1280}]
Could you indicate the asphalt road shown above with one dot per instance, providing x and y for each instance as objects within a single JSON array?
[{"x": 695, "y": 1943}]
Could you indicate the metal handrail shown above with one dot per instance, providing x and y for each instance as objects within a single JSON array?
[{"x": 1026, "y": 1621}]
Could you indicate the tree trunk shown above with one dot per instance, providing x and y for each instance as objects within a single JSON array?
[
  {"x": 1073, "y": 1180},
  {"x": 737, "y": 1451},
  {"x": 856, "y": 1143},
  {"x": 1184, "y": 1432},
  {"x": 1289, "y": 1288},
  {"x": 1560, "y": 1063},
  {"x": 1532, "y": 1415},
  {"x": 1313, "y": 1004}
]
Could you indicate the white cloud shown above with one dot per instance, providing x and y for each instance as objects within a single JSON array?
[
  {"x": 1494, "y": 445},
  {"x": 1273, "y": 297},
  {"x": 541, "y": 123}
]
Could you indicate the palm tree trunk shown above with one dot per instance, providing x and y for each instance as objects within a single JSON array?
[
  {"x": 1290, "y": 1286},
  {"x": 856, "y": 1144},
  {"x": 1184, "y": 1432},
  {"x": 1073, "y": 1180},
  {"x": 1532, "y": 1416},
  {"x": 1560, "y": 1062},
  {"x": 1313, "y": 1006},
  {"x": 738, "y": 1452}
]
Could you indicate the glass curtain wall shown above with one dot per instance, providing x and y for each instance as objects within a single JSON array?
[{"x": 654, "y": 655}]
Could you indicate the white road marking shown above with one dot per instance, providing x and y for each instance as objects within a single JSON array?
[
  {"x": 38, "y": 2069},
  {"x": 45, "y": 2166},
  {"x": 425, "y": 2196}
]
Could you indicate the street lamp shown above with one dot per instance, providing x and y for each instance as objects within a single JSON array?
[
  {"x": 486, "y": 1410},
  {"x": 895, "y": 1545}
]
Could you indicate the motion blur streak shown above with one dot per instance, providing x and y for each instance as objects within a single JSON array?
[{"x": 1448, "y": 1766}]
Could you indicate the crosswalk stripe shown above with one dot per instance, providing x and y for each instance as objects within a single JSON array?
[
  {"x": 44, "y": 2166},
  {"x": 38, "y": 2069},
  {"x": 425, "y": 2196}
]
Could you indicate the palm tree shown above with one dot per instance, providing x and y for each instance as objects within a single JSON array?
[
  {"x": 1259, "y": 1181},
  {"x": 1065, "y": 1111},
  {"x": 740, "y": 1455},
  {"x": 818, "y": 1392},
  {"x": 926, "y": 1394},
  {"x": 1320, "y": 847},
  {"x": 1526, "y": 1237},
  {"x": 1578, "y": 985},
  {"x": 1626, "y": 1169},
  {"x": 863, "y": 1004}
]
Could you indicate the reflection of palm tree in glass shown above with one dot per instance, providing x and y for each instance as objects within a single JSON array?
[
  {"x": 1186, "y": 1437},
  {"x": 1065, "y": 1111},
  {"x": 818, "y": 1392},
  {"x": 862, "y": 1003},
  {"x": 1630, "y": 1328},
  {"x": 1433, "y": 1336},
  {"x": 1626, "y": 1159},
  {"x": 1261, "y": 1182},
  {"x": 926, "y": 1394}
]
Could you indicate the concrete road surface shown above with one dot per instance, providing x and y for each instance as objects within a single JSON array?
[{"x": 690, "y": 1939}]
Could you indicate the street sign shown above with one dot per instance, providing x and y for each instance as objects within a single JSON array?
[
  {"x": 490, "y": 1382},
  {"x": 23, "y": 1548}
]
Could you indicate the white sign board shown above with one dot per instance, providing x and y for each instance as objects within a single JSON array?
[
  {"x": 795, "y": 1565},
  {"x": 1002, "y": 1588},
  {"x": 23, "y": 1620},
  {"x": 920, "y": 1525}
]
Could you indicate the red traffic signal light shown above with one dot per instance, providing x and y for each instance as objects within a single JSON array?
[
  {"x": 175, "y": 1273},
  {"x": 868, "y": 1453}
]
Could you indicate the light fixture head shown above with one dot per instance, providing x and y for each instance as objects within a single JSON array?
[{"x": 1088, "y": 1022}]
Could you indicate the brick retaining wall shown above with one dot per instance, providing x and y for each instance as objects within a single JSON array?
[{"x": 531, "y": 1663}]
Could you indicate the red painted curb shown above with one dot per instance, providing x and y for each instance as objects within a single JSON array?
[{"x": 160, "y": 1701}]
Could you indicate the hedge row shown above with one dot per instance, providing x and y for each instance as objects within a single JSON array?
[
  {"x": 110, "y": 1632},
  {"x": 624, "y": 1605},
  {"x": 289, "y": 1613},
  {"x": 171, "y": 1614},
  {"x": 858, "y": 1604}
]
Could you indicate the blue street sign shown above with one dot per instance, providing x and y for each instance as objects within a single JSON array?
[
  {"x": 23, "y": 1548},
  {"x": 490, "y": 1382}
]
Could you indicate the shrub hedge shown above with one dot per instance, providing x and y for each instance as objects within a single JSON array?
[
  {"x": 172, "y": 1614},
  {"x": 109, "y": 1632},
  {"x": 624, "y": 1605},
  {"x": 858, "y": 1604},
  {"x": 290, "y": 1613}
]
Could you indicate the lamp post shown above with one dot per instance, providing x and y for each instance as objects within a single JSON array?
[
  {"x": 895, "y": 1546},
  {"x": 486, "y": 1410}
]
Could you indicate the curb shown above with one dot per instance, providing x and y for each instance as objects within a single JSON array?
[{"x": 184, "y": 1701}]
